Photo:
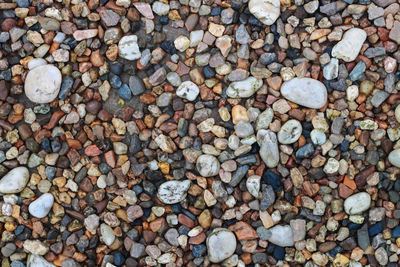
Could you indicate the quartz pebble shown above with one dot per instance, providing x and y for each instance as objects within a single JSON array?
[
  {"x": 350, "y": 45},
  {"x": 41, "y": 206},
  {"x": 358, "y": 203},
  {"x": 172, "y": 192},
  {"x": 266, "y": 11},
  {"x": 245, "y": 88}
]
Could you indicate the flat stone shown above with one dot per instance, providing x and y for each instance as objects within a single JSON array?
[
  {"x": 269, "y": 151},
  {"x": 307, "y": 92},
  {"x": 290, "y": 132}
]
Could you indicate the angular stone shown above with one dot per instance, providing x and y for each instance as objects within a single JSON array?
[{"x": 349, "y": 47}]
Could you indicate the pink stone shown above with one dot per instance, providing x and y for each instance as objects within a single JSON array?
[
  {"x": 144, "y": 9},
  {"x": 390, "y": 64},
  {"x": 85, "y": 34}
]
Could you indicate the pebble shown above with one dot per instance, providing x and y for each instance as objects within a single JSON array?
[
  {"x": 41, "y": 88},
  {"x": 281, "y": 235},
  {"x": 188, "y": 90},
  {"x": 394, "y": 158},
  {"x": 207, "y": 165},
  {"x": 172, "y": 192},
  {"x": 221, "y": 244},
  {"x": 350, "y": 45},
  {"x": 357, "y": 203},
  {"x": 14, "y": 181},
  {"x": 290, "y": 132},
  {"x": 245, "y": 88},
  {"x": 266, "y": 11},
  {"x": 128, "y": 47},
  {"x": 305, "y": 91},
  {"x": 269, "y": 151},
  {"x": 41, "y": 206}
]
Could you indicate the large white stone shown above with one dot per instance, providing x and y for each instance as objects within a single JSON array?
[
  {"x": 290, "y": 132},
  {"x": 41, "y": 206},
  {"x": 221, "y": 244},
  {"x": 253, "y": 185},
  {"x": 188, "y": 90},
  {"x": 394, "y": 158},
  {"x": 128, "y": 48},
  {"x": 36, "y": 247},
  {"x": 173, "y": 192},
  {"x": 269, "y": 151},
  {"x": 207, "y": 165},
  {"x": 107, "y": 234},
  {"x": 281, "y": 235},
  {"x": 306, "y": 92},
  {"x": 245, "y": 88},
  {"x": 357, "y": 203},
  {"x": 264, "y": 119},
  {"x": 350, "y": 45},
  {"x": 42, "y": 84},
  {"x": 266, "y": 11},
  {"x": 14, "y": 181}
]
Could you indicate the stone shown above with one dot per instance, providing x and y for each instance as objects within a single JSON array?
[
  {"x": 357, "y": 203},
  {"x": 269, "y": 151},
  {"x": 290, "y": 132},
  {"x": 35, "y": 247},
  {"x": 107, "y": 234},
  {"x": 264, "y": 119},
  {"x": 281, "y": 235},
  {"x": 160, "y": 8},
  {"x": 40, "y": 88},
  {"x": 128, "y": 48},
  {"x": 253, "y": 185},
  {"x": 350, "y": 45},
  {"x": 394, "y": 158},
  {"x": 245, "y": 88},
  {"x": 41, "y": 206},
  {"x": 182, "y": 43},
  {"x": 14, "y": 181},
  {"x": 266, "y": 11},
  {"x": 207, "y": 165},
  {"x": 221, "y": 244},
  {"x": 173, "y": 192},
  {"x": 188, "y": 90},
  {"x": 307, "y": 92},
  {"x": 38, "y": 261}
]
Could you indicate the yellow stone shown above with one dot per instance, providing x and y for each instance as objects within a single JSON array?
[
  {"x": 341, "y": 261},
  {"x": 164, "y": 167},
  {"x": 174, "y": 15},
  {"x": 239, "y": 113}
]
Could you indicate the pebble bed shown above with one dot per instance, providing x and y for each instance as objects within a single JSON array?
[{"x": 199, "y": 133}]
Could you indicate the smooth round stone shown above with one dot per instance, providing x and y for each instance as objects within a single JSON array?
[
  {"x": 245, "y": 88},
  {"x": 290, "y": 132},
  {"x": 307, "y": 92},
  {"x": 394, "y": 158},
  {"x": 397, "y": 113},
  {"x": 207, "y": 165},
  {"x": 14, "y": 181},
  {"x": 221, "y": 244},
  {"x": 269, "y": 151},
  {"x": 357, "y": 203},
  {"x": 188, "y": 90},
  {"x": 182, "y": 43},
  {"x": 266, "y": 11},
  {"x": 128, "y": 48},
  {"x": 41, "y": 206},
  {"x": 173, "y": 192},
  {"x": 43, "y": 83},
  {"x": 350, "y": 45},
  {"x": 281, "y": 235}
]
